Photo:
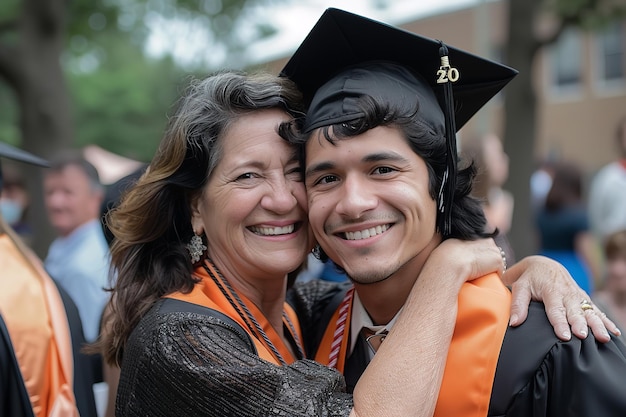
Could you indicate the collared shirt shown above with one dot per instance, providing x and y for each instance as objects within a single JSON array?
[
  {"x": 80, "y": 263},
  {"x": 607, "y": 200},
  {"x": 360, "y": 319}
]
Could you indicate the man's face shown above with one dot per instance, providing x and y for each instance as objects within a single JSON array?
[
  {"x": 369, "y": 203},
  {"x": 70, "y": 200}
]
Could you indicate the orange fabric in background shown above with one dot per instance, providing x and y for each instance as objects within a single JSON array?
[{"x": 35, "y": 317}]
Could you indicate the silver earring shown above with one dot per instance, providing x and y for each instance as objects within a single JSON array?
[{"x": 196, "y": 248}]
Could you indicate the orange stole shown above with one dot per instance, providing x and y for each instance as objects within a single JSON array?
[
  {"x": 206, "y": 293},
  {"x": 35, "y": 317},
  {"x": 482, "y": 319},
  {"x": 323, "y": 351}
]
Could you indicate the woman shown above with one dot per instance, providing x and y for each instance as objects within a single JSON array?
[
  {"x": 219, "y": 220},
  {"x": 563, "y": 225}
]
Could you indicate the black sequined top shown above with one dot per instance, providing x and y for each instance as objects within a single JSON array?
[{"x": 189, "y": 364}]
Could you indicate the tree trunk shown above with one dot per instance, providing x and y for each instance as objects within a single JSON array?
[
  {"x": 520, "y": 122},
  {"x": 45, "y": 117}
]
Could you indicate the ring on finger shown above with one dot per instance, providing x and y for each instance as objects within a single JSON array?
[{"x": 585, "y": 305}]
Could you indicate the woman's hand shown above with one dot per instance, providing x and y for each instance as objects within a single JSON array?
[{"x": 543, "y": 279}]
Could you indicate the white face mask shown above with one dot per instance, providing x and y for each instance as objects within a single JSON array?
[{"x": 11, "y": 211}]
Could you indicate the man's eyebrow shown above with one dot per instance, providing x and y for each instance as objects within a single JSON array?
[
  {"x": 322, "y": 166},
  {"x": 385, "y": 156}
]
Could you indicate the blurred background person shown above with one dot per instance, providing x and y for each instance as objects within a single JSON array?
[
  {"x": 36, "y": 366},
  {"x": 492, "y": 171},
  {"x": 14, "y": 202},
  {"x": 79, "y": 257},
  {"x": 563, "y": 227},
  {"x": 112, "y": 195},
  {"x": 611, "y": 298},
  {"x": 540, "y": 183},
  {"x": 607, "y": 194}
]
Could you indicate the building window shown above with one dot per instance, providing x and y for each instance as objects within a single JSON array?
[
  {"x": 611, "y": 56},
  {"x": 566, "y": 62}
]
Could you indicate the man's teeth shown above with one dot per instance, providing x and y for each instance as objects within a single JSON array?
[
  {"x": 367, "y": 233},
  {"x": 272, "y": 231}
]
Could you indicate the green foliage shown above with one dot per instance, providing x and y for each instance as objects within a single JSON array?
[
  {"x": 122, "y": 106},
  {"x": 90, "y": 17},
  {"x": 9, "y": 132},
  {"x": 9, "y": 9},
  {"x": 121, "y": 98},
  {"x": 587, "y": 14}
]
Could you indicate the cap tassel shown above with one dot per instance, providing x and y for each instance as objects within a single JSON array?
[{"x": 446, "y": 75}]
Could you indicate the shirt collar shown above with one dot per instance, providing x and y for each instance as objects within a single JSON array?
[{"x": 360, "y": 318}]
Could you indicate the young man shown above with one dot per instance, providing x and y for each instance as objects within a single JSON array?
[{"x": 384, "y": 192}]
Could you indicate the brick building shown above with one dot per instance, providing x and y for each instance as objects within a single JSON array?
[{"x": 580, "y": 81}]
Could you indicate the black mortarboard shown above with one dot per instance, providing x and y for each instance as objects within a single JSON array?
[
  {"x": 17, "y": 154},
  {"x": 346, "y": 56}
]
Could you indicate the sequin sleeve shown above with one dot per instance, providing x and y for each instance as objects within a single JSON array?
[
  {"x": 314, "y": 302},
  {"x": 187, "y": 364}
]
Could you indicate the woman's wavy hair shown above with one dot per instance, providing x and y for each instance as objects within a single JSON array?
[
  {"x": 152, "y": 223},
  {"x": 468, "y": 219}
]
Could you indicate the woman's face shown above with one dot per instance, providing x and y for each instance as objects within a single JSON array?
[{"x": 253, "y": 208}]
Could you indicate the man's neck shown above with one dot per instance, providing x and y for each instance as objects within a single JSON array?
[{"x": 384, "y": 299}]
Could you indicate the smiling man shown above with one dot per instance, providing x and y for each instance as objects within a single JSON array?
[{"x": 384, "y": 192}]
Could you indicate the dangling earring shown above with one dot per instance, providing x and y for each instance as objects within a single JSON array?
[
  {"x": 317, "y": 251},
  {"x": 196, "y": 248}
]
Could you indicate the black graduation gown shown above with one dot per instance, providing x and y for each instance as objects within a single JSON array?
[
  {"x": 537, "y": 374},
  {"x": 14, "y": 400}
]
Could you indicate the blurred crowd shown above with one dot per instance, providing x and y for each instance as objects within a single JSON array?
[{"x": 579, "y": 217}]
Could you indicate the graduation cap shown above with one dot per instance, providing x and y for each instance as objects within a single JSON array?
[
  {"x": 16, "y": 154},
  {"x": 346, "y": 56}
]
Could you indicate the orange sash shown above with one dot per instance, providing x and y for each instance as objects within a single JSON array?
[
  {"x": 482, "y": 320},
  {"x": 208, "y": 294},
  {"x": 39, "y": 331},
  {"x": 323, "y": 354}
]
